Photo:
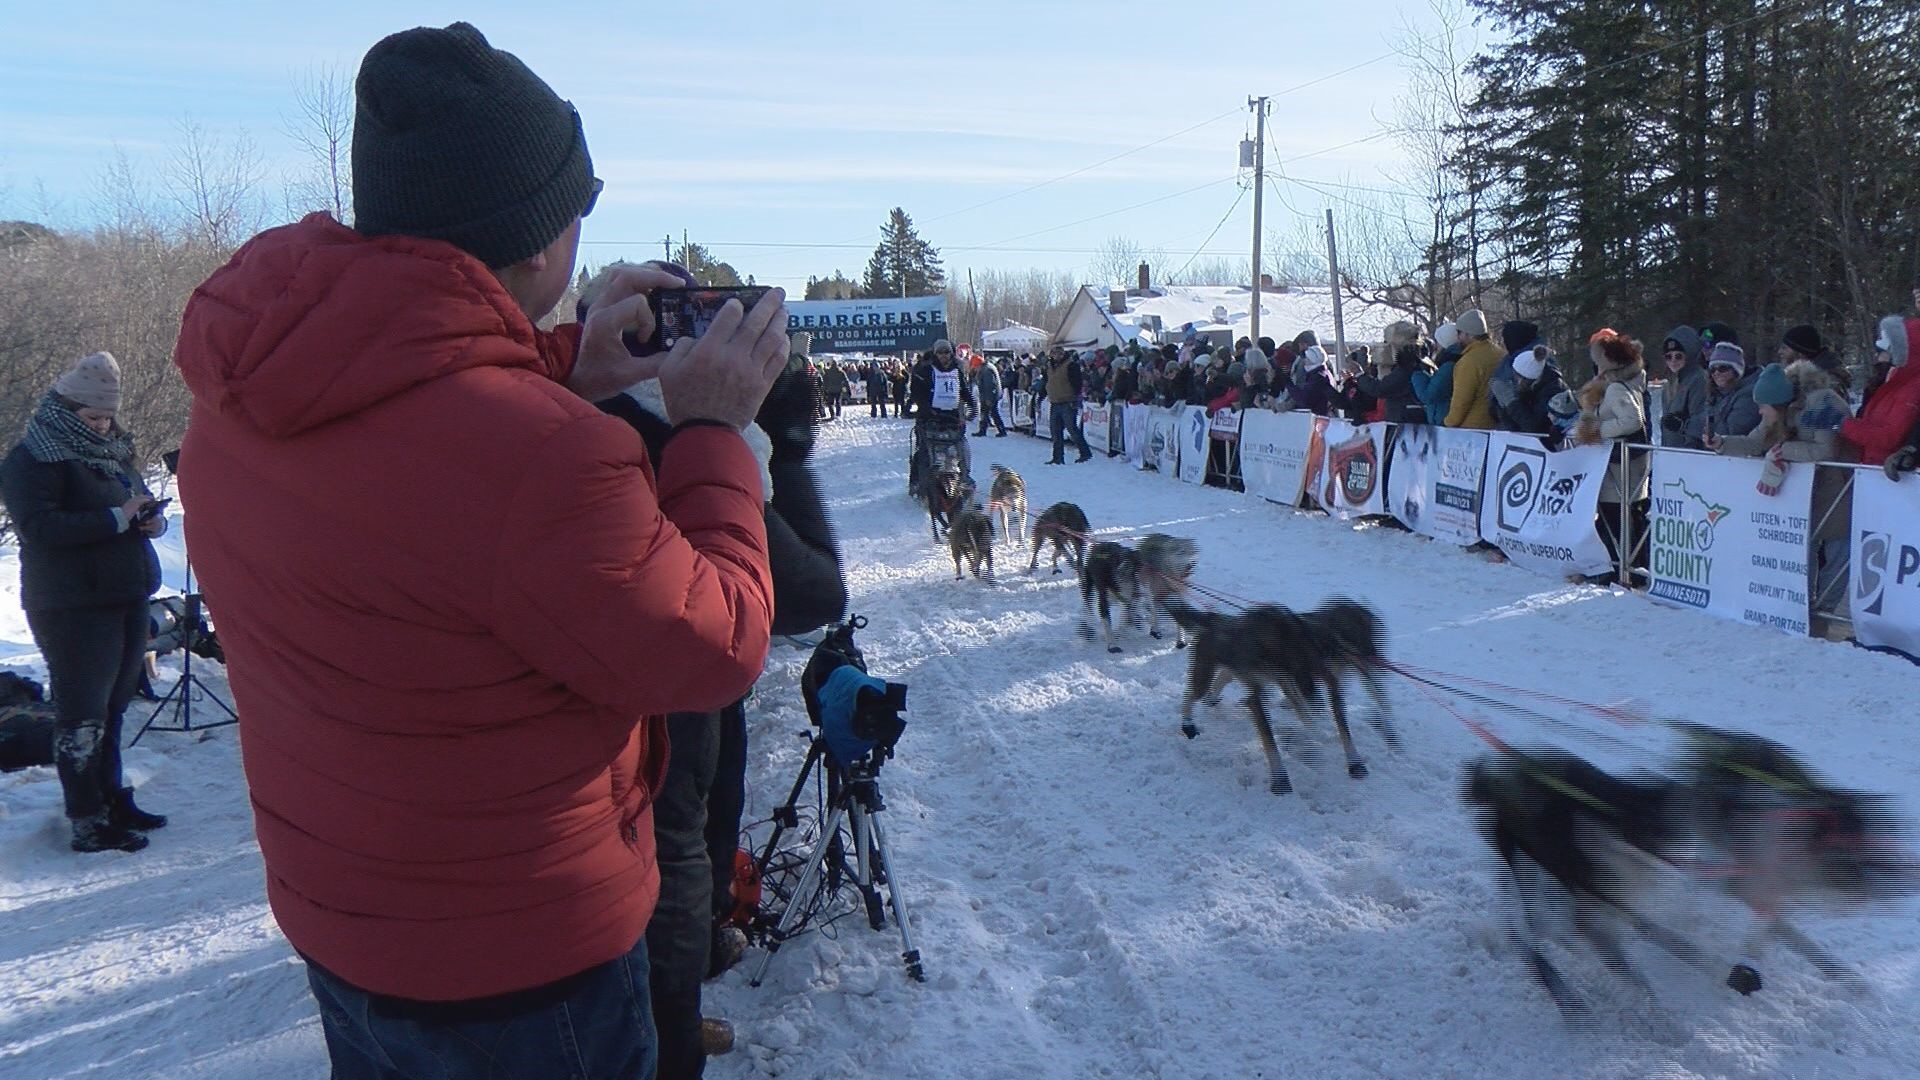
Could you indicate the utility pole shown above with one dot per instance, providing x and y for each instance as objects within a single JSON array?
[
  {"x": 666, "y": 242},
  {"x": 1259, "y": 107},
  {"x": 1333, "y": 270}
]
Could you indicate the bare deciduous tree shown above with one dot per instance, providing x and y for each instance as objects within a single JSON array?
[{"x": 321, "y": 125}]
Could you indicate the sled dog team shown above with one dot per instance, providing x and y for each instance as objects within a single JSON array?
[{"x": 1738, "y": 811}]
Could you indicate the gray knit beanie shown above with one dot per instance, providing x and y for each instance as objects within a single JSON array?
[{"x": 456, "y": 140}]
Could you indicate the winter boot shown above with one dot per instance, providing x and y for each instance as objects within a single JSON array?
[
  {"x": 97, "y": 833},
  {"x": 729, "y": 945},
  {"x": 716, "y": 1037},
  {"x": 123, "y": 813}
]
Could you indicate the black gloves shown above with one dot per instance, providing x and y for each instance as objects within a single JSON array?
[{"x": 1672, "y": 423}]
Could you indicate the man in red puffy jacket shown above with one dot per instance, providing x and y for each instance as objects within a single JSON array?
[{"x": 456, "y": 598}]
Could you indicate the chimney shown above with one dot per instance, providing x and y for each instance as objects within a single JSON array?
[
  {"x": 1116, "y": 301},
  {"x": 1146, "y": 280}
]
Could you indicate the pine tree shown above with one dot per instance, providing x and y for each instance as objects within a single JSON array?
[
  {"x": 704, "y": 267},
  {"x": 837, "y": 287},
  {"x": 903, "y": 259}
]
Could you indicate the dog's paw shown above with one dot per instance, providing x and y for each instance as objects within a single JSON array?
[
  {"x": 1281, "y": 785},
  {"x": 1357, "y": 770},
  {"x": 1743, "y": 980},
  {"x": 1179, "y": 644},
  {"x": 1113, "y": 648},
  {"x": 1189, "y": 729},
  {"x": 1086, "y": 633},
  {"x": 1154, "y": 634}
]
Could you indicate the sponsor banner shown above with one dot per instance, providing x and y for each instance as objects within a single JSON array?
[
  {"x": 1163, "y": 441},
  {"x": 1225, "y": 425},
  {"x": 1193, "y": 443},
  {"x": 856, "y": 390},
  {"x": 1349, "y": 480},
  {"x": 1134, "y": 429},
  {"x": 877, "y": 325},
  {"x": 1096, "y": 423},
  {"x": 1273, "y": 454},
  {"x": 1115, "y": 434},
  {"x": 1433, "y": 481},
  {"x": 1885, "y": 586},
  {"x": 1720, "y": 546},
  {"x": 1023, "y": 411},
  {"x": 1539, "y": 506}
]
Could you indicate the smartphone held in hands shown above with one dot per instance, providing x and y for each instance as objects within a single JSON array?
[
  {"x": 686, "y": 313},
  {"x": 152, "y": 510}
]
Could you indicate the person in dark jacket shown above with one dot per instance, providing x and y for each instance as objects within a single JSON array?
[
  {"x": 86, "y": 523},
  {"x": 1395, "y": 388},
  {"x": 942, "y": 400},
  {"x": 1683, "y": 396},
  {"x": 1536, "y": 379},
  {"x": 986, "y": 391},
  {"x": 697, "y": 811},
  {"x": 1730, "y": 407},
  {"x": 1312, "y": 388},
  {"x": 898, "y": 382},
  {"x": 833, "y": 386},
  {"x": 878, "y": 387}
]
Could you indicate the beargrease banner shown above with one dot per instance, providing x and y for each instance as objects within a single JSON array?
[
  {"x": 1722, "y": 547},
  {"x": 1433, "y": 481},
  {"x": 1096, "y": 422},
  {"x": 1133, "y": 430},
  {"x": 1273, "y": 454},
  {"x": 1539, "y": 506},
  {"x": 1349, "y": 480},
  {"x": 1193, "y": 443},
  {"x": 1884, "y": 591},
  {"x": 1163, "y": 441},
  {"x": 909, "y": 324}
]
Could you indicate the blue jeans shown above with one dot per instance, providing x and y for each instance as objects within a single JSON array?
[
  {"x": 597, "y": 1025},
  {"x": 1065, "y": 418}
]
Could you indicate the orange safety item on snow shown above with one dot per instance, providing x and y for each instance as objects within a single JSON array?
[{"x": 746, "y": 890}]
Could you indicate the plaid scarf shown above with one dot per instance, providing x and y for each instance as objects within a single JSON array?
[{"x": 56, "y": 433}]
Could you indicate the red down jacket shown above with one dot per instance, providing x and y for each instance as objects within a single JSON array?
[
  {"x": 1882, "y": 427},
  {"x": 455, "y": 601}
]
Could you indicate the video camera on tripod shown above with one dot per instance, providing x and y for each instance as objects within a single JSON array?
[
  {"x": 857, "y": 714},
  {"x": 856, "y": 721}
]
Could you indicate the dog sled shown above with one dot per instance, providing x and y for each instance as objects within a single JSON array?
[{"x": 938, "y": 446}]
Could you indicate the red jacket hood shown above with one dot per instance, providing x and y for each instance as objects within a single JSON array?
[{"x": 311, "y": 322}]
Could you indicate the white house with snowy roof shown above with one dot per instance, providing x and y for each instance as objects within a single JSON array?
[{"x": 1099, "y": 317}]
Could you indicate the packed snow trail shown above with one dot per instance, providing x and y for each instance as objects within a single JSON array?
[{"x": 1094, "y": 895}]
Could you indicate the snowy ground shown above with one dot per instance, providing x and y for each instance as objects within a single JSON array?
[{"x": 1094, "y": 895}]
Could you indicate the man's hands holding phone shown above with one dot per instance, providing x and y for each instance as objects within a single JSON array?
[{"x": 723, "y": 375}]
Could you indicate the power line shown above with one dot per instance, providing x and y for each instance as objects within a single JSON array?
[
  {"x": 1122, "y": 210},
  {"x": 1216, "y": 231},
  {"x": 718, "y": 244}
]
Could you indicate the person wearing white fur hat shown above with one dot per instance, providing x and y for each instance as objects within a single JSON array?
[{"x": 86, "y": 523}]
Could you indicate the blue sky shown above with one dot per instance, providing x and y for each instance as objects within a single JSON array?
[{"x": 773, "y": 132}]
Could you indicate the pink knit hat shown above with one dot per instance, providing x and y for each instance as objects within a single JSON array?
[{"x": 94, "y": 382}]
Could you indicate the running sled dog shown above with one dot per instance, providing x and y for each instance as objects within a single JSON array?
[
  {"x": 1007, "y": 501},
  {"x": 1740, "y": 813},
  {"x": 1065, "y": 526},
  {"x": 1304, "y": 655}
]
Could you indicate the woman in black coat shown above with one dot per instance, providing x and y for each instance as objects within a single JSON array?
[
  {"x": 86, "y": 522},
  {"x": 697, "y": 812}
]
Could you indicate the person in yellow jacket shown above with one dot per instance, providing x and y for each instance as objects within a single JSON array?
[{"x": 1473, "y": 375}]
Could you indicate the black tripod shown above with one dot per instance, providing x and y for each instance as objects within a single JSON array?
[
  {"x": 189, "y": 686},
  {"x": 853, "y": 800}
]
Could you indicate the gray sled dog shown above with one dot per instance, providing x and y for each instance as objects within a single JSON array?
[
  {"x": 1301, "y": 655},
  {"x": 1007, "y": 500},
  {"x": 1109, "y": 576},
  {"x": 1065, "y": 525},
  {"x": 970, "y": 539},
  {"x": 1166, "y": 565}
]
